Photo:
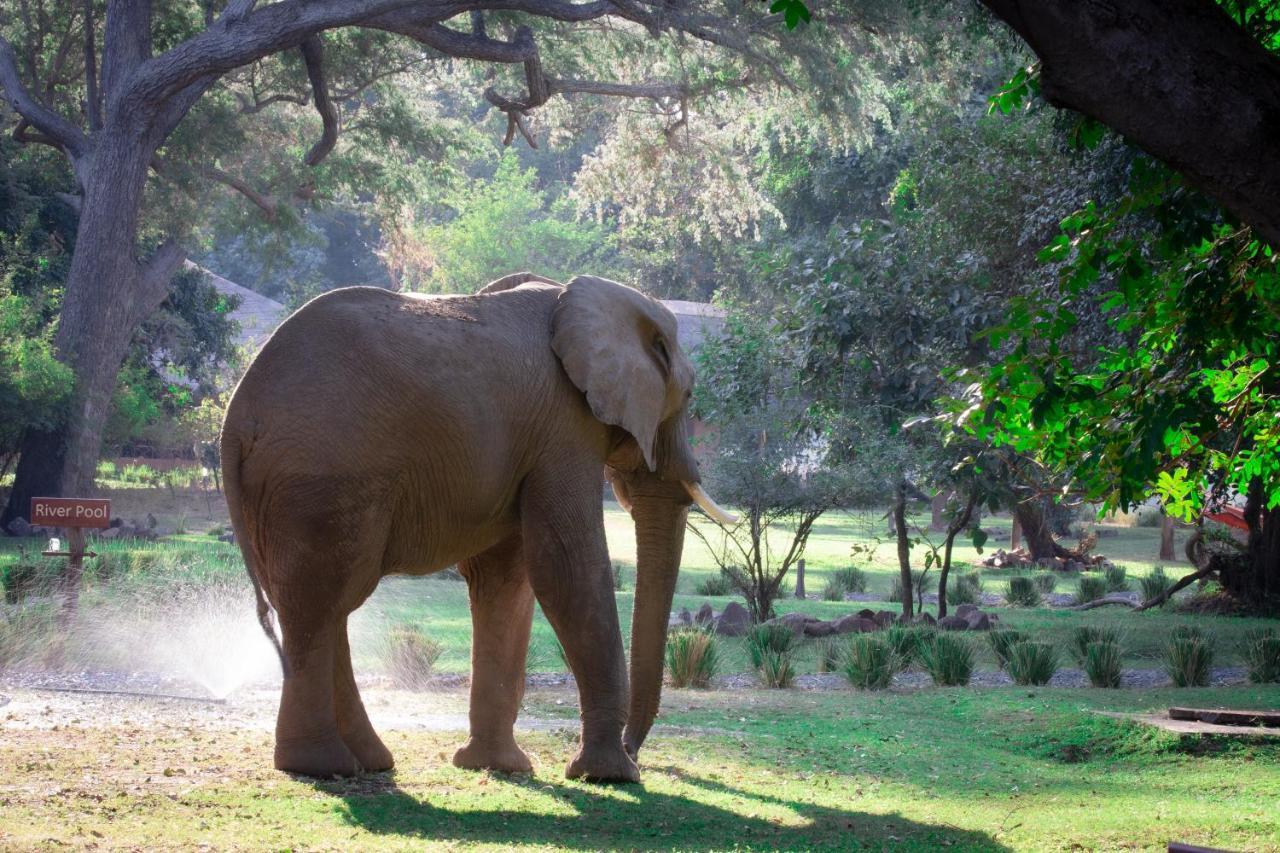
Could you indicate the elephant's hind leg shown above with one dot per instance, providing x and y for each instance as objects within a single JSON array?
[
  {"x": 307, "y": 738},
  {"x": 501, "y": 614},
  {"x": 353, "y": 723}
]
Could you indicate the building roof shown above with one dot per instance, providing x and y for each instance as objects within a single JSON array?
[
  {"x": 696, "y": 321},
  {"x": 257, "y": 315}
]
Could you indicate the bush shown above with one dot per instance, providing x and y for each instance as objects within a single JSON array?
[
  {"x": 1022, "y": 592},
  {"x": 411, "y": 655},
  {"x": 619, "y": 577},
  {"x": 1262, "y": 655},
  {"x": 715, "y": 586},
  {"x": 776, "y": 669},
  {"x": 1090, "y": 588},
  {"x": 1116, "y": 578},
  {"x": 870, "y": 662},
  {"x": 831, "y": 654},
  {"x": 1187, "y": 659},
  {"x": 948, "y": 658},
  {"x": 850, "y": 579},
  {"x": 1156, "y": 583},
  {"x": 907, "y": 643},
  {"x": 1032, "y": 662},
  {"x": 1101, "y": 663},
  {"x": 921, "y": 584},
  {"x": 1001, "y": 641},
  {"x": 965, "y": 589},
  {"x": 832, "y": 591},
  {"x": 768, "y": 638},
  {"x": 1083, "y": 635},
  {"x": 692, "y": 658},
  {"x": 1046, "y": 583}
]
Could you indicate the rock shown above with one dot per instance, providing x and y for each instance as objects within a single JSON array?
[
  {"x": 855, "y": 623},
  {"x": 109, "y": 533},
  {"x": 978, "y": 621},
  {"x": 1074, "y": 566},
  {"x": 866, "y": 613},
  {"x": 818, "y": 628},
  {"x": 228, "y": 537},
  {"x": 795, "y": 621},
  {"x": 965, "y": 610},
  {"x": 704, "y": 615},
  {"x": 925, "y": 619},
  {"x": 734, "y": 620},
  {"x": 885, "y": 618},
  {"x": 953, "y": 623},
  {"x": 19, "y": 527}
]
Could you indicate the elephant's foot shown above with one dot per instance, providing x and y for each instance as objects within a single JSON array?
[
  {"x": 603, "y": 763},
  {"x": 504, "y": 757},
  {"x": 322, "y": 758},
  {"x": 369, "y": 750}
]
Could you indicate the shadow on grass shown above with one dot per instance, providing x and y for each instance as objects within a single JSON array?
[{"x": 591, "y": 817}]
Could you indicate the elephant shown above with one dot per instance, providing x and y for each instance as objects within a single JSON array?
[{"x": 383, "y": 433}]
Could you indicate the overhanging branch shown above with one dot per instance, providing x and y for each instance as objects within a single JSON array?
[
  {"x": 62, "y": 132},
  {"x": 313, "y": 56}
]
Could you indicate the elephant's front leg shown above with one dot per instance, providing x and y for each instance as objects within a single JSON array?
[
  {"x": 568, "y": 563},
  {"x": 501, "y": 614}
]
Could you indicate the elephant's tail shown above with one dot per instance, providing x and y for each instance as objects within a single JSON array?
[{"x": 232, "y": 457}]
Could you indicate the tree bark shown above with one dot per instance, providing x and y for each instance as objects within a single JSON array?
[
  {"x": 904, "y": 549},
  {"x": 800, "y": 578},
  {"x": 1166, "y": 538},
  {"x": 1179, "y": 78},
  {"x": 1035, "y": 529},
  {"x": 1015, "y": 535},
  {"x": 108, "y": 295},
  {"x": 956, "y": 525}
]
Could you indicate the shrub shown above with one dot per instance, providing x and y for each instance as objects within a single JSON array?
[
  {"x": 1022, "y": 592},
  {"x": 692, "y": 658},
  {"x": 907, "y": 642},
  {"x": 1101, "y": 663},
  {"x": 715, "y": 586},
  {"x": 768, "y": 638},
  {"x": 831, "y": 654},
  {"x": 1001, "y": 640},
  {"x": 1116, "y": 578},
  {"x": 411, "y": 655},
  {"x": 870, "y": 662},
  {"x": 948, "y": 658},
  {"x": 1032, "y": 662},
  {"x": 619, "y": 577},
  {"x": 776, "y": 669},
  {"x": 1046, "y": 583},
  {"x": 965, "y": 589},
  {"x": 1090, "y": 588},
  {"x": 850, "y": 579},
  {"x": 832, "y": 591},
  {"x": 1187, "y": 659},
  {"x": 1262, "y": 655},
  {"x": 1083, "y": 635},
  {"x": 1156, "y": 583},
  {"x": 921, "y": 584}
]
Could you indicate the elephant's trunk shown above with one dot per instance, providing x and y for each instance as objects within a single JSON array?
[{"x": 659, "y": 541}]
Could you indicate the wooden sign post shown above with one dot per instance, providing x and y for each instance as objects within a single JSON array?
[{"x": 73, "y": 514}]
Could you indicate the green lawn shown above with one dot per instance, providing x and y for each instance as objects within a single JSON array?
[{"x": 964, "y": 769}]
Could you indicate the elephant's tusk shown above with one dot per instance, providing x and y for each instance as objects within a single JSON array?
[{"x": 709, "y": 506}]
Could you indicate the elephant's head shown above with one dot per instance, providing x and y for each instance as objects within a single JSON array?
[{"x": 620, "y": 348}]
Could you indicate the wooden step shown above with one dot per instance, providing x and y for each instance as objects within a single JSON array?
[{"x": 1227, "y": 717}]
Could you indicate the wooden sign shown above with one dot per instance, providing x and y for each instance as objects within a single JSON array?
[{"x": 70, "y": 512}]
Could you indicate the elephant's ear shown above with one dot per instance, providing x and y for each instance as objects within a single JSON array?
[{"x": 616, "y": 345}]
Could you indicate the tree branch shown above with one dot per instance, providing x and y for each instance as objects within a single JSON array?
[
  {"x": 63, "y": 133},
  {"x": 313, "y": 56},
  {"x": 92, "y": 98}
]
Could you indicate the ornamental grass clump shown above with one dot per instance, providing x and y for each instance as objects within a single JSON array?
[
  {"x": 921, "y": 584},
  {"x": 1083, "y": 635},
  {"x": 1116, "y": 578},
  {"x": 1091, "y": 587},
  {"x": 831, "y": 654},
  {"x": 692, "y": 657},
  {"x": 1262, "y": 655},
  {"x": 1032, "y": 662},
  {"x": 776, "y": 668},
  {"x": 411, "y": 656},
  {"x": 715, "y": 586},
  {"x": 767, "y": 637},
  {"x": 1156, "y": 583},
  {"x": 850, "y": 579},
  {"x": 948, "y": 658},
  {"x": 1001, "y": 641},
  {"x": 965, "y": 589},
  {"x": 1046, "y": 583},
  {"x": 869, "y": 662},
  {"x": 1022, "y": 592},
  {"x": 1188, "y": 658},
  {"x": 1101, "y": 663},
  {"x": 907, "y": 642}
]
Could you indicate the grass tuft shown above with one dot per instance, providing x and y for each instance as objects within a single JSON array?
[
  {"x": 1187, "y": 659},
  {"x": 714, "y": 586},
  {"x": 1022, "y": 592},
  {"x": 1046, "y": 583},
  {"x": 1091, "y": 587},
  {"x": 411, "y": 655},
  {"x": 1001, "y": 641},
  {"x": 1032, "y": 662},
  {"x": 1262, "y": 655},
  {"x": 870, "y": 662},
  {"x": 948, "y": 658},
  {"x": 1116, "y": 578},
  {"x": 1084, "y": 635},
  {"x": 692, "y": 657},
  {"x": 776, "y": 668},
  {"x": 965, "y": 589},
  {"x": 1102, "y": 660},
  {"x": 1156, "y": 583}
]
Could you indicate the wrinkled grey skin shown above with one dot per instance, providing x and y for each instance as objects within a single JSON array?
[{"x": 380, "y": 433}]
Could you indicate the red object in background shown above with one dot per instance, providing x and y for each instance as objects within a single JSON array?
[{"x": 1231, "y": 516}]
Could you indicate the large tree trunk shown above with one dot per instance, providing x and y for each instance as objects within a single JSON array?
[
  {"x": 904, "y": 549},
  {"x": 108, "y": 295},
  {"x": 1031, "y": 517},
  {"x": 1179, "y": 78},
  {"x": 1256, "y": 578},
  {"x": 1166, "y": 538}
]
